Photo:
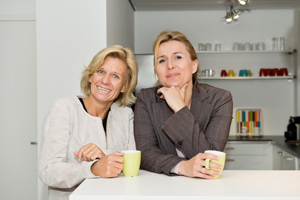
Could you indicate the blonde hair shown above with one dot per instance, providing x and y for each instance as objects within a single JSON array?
[
  {"x": 124, "y": 99},
  {"x": 166, "y": 36}
]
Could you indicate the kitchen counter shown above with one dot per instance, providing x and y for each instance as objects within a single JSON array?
[
  {"x": 276, "y": 140},
  {"x": 233, "y": 184}
]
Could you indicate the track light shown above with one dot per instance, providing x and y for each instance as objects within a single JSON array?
[
  {"x": 243, "y": 2},
  {"x": 228, "y": 17},
  {"x": 234, "y": 14}
]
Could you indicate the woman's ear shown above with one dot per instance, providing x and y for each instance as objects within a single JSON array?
[{"x": 195, "y": 65}]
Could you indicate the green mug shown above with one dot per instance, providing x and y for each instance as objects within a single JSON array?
[
  {"x": 132, "y": 162},
  {"x": 222, "y": 157}
]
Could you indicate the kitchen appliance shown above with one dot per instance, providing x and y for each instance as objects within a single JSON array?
[{"x": 293, "y": 129}]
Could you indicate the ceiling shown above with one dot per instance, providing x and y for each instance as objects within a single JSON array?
[{"x": 190, "y": 5}]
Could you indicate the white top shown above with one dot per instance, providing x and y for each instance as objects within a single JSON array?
[
  {"x": 233, "y": 184},
  {"x": 68, "y": 127}
]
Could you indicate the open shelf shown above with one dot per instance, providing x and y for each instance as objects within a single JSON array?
[
  {"x": 248, "y": 78},
  {"x": 290, "y": 51}
]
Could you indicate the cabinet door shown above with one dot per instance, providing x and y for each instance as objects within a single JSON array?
[
  {"x": 244, "y": 162},
  {"x": 277, "y": 156},
  {"x": 288, "y": 161}
]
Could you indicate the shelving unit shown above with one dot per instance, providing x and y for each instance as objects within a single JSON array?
[
  {"x": 246, "y": 52},
  {"x": 248, "y": 78}
]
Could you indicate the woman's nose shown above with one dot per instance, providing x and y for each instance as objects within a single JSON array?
[
  {"x": 105, "y": 79},
  {"x": 170, "y": 64}
]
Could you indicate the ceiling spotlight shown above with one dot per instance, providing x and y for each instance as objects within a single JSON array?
[
  {"x": 228, "y": 17},
  {"x": 234, "y": 14},
  {"x": 243, "y": 2}
]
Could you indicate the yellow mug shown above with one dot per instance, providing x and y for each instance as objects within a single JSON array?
[
  {"x": 132, "y": 162},
  {"x": 222, "y": 157},
  {"x": 231, "y": 73}
]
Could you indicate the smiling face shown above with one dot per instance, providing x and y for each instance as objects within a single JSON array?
[
  {"x": 174, "y": 66},
  {"x": 109, "y": 80}
]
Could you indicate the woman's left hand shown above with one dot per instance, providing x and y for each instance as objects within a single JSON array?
[
  {"x": 89, "y": 152},
  {"x": 174, "y": 96}
]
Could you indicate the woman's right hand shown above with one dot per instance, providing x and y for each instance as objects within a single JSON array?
[
  {"x": 89, "y": 152},
  {"x": 108, "y": 166},
  {"x": 195, "y": 167}
]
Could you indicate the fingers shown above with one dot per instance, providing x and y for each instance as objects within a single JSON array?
[{"x": 89, "y": 152}]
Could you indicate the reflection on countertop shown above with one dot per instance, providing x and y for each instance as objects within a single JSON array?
[{"x": 276, "y": 140}]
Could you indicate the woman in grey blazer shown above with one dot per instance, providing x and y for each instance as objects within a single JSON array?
[
  {"x": 83, "y": 135},
  {"x": 176, "y": 121}
]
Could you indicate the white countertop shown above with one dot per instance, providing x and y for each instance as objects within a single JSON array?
[{"x": 233, "y": 184}]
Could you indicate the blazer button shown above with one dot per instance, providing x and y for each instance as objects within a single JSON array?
[{"x": 179, "y": 143}]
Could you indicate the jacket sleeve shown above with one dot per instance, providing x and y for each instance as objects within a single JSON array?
[
  {"x": 131, "y": 141},
  {"x": 153, "y": 158},
  {"x": 53, "y": 168},
  {"x": 186, "y": 133}
]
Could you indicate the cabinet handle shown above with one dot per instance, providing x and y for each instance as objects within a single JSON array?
[
  {"x": 229, "y": 148},
  {"x": 33, "y": 143},
  {"x": 289, "y": 158},
  {"x": 229, "y": 160}
]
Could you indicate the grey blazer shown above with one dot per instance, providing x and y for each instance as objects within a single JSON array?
[{"x": 158, "y": 131}]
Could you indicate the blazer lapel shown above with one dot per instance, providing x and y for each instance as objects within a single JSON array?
[
  {"x": 199, "y": 108},
  {"x": 162, "y": 112}
]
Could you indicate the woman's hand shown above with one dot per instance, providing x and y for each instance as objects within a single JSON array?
[
  {"x": 195, "y": 167},
  {"x": 89, "y": 152},
  {"x": 174, "y": 96},
  {"x": 109, "y": 166}
]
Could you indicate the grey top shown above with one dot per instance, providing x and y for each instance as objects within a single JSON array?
[{"x": 158, "y": 132}]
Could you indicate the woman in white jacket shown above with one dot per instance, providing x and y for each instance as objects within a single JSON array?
[{"x": 82, "y": 135}]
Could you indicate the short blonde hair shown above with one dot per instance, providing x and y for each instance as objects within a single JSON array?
[
  {"x": 166, "y": 36},
  {"x": 124, "y": 99}
]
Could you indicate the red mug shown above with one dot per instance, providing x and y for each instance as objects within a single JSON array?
[
  {"x": 223, "y": 73},
  {"x": 283, "y": 71},
  {"x": 262, "y": 72},
  {"x": 268, "y": 72},
  {"x": 276, "y": 72}
]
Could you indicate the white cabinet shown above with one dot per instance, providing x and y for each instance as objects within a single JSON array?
[
  {"x": 248, "y": 156},
  {"x": 283, "y": 160}
]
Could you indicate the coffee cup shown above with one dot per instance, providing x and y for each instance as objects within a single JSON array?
[
  {"x": 249, "y": 72},
  {"x": 221, "y": 161},
  {"x": 132, "y": 162},
  {"x": 247, "y": 46},
  {"x": 231, "y": 73},
  {"x": 283, "y": 71},
  {"x": 276, "y": 71},
  {"x": 223, "y": 73},
  {"x": 262, "y": 72},
  {"x": 243, "y": 72},
  {"x": 218, "y": 47},
  {"x": 236, "y": 46}
]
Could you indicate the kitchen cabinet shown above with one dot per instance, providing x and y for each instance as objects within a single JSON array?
[
  {"x": 248, "y": 156},
  {"x": 283, "y": 160}
]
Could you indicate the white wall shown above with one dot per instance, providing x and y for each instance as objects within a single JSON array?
[
  {"x": 120, "y": 24},
  {"x": 18, "y": 100},
  {"x": 275, "y": 98},
  {"x": 209, "y": 27}
]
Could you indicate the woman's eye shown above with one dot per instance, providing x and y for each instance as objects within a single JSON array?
[
  {"x": 115, "y": 76},
  {"x": 100, "y": 71},
  {"x": 178, "y": 57},
  {"x": 161, "y": 61}
]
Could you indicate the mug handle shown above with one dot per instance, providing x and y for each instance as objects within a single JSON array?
[{"x": 207, "y": 163}]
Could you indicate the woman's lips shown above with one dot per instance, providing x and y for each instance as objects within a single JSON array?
[{"x": 172, "y": 75}]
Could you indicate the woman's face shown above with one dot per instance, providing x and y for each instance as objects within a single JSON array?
[
  {"x": 174, "y": 66},
  {"x": 109, "y": 80}
]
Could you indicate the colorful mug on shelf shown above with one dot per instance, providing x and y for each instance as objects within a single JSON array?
[
  {"x": 243, "y": 72},
  {"x": 223, "y": 73},
  {"x": 231, "y": 73},
  {"x": 283, "y": 72}
]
